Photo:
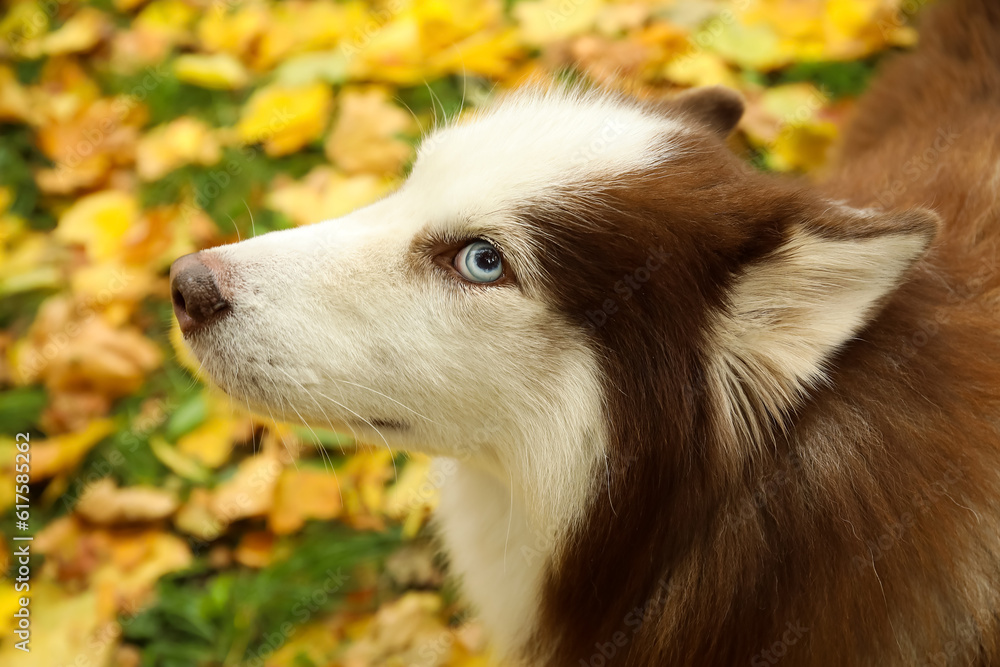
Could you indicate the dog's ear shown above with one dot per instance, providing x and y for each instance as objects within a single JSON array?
[
  {"x": 789, "y": 312},
  {"x": 720, "y": 109}
]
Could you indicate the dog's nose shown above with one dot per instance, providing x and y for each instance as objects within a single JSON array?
[{"x": 195, "y": 293}]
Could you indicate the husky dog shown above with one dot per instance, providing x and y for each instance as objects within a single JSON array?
[{"x": 685, "y": 413}]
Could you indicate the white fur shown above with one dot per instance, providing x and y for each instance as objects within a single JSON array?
[{"x": 336, "y": 323}]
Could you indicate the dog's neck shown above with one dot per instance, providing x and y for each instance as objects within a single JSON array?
[{"x": 504, "y": 527}]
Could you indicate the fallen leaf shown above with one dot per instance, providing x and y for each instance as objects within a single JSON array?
[
  {"x": 196, "y": 517},
  {"x": 234, "y": 32},
  {"x": 221, "y": 71},
  {"x": 323, "y": 194},
  {"x": 211, "y": 443},
  {"x": 543, "y": 21},
  {"x": 182, "y": 141},
  {"x": 105, "y": 503},
  {"x": 285, "y": 118},
  {"x": 303, "y": 494},
  {"x": 403, "y": 632},
  {"x": 136, "y": 561},
  {"x": 250, "y": 491},
  {"x": 15, "y": 101},
  {"x": 771, "y": 110},
  {"x": 64, "y": 452},
  {"x": 608, "y": 61},
  {"x": 297, "y": 28},
  {"x": 393, "y": 53},
  {"x": 82, "y": 32},
  {"x": 699, "y": 68},
  {"x": 67, "y": 628},
  {"x": 752, "y": 47},
  {"x": 71, "y": 348},
  {"x": 414, "y": 496},
  {"x": 168, "y": 19},
  {"x": 367, "y": 134},
  {"x": 256, "y": 549},
  {"x": 86, "y": 145},
  {"x": 802, "y": 147},
  {"x": 99, "y": 222}
]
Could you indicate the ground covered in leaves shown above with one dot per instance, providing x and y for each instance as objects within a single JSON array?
[{"x": 170, "y": 527}]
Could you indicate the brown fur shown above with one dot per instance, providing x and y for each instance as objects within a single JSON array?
[{"x": 866, "y": 532}]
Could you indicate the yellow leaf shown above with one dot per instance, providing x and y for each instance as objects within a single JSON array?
[
  {"x": 66, "y": 627},
  {"x": 394, "y": 53},
  {"x": 15, "y": 102},
  {"x": 30, "y": 262},
  {"x": 64, "y": 452},
  {"x": 86, "y": 138},
  {"x": 324, "y": 194},
  {"x": 794, "y": 102},
  {"x": 127, "y": 5},
  {"x": 304, "y": 494},
  {"x": 99, "y": 222},
  {"x": 72, "y": 349},
  {"x": 779, "y": 106},
  {"x": 196, "y": 517},
  {"x": 81, "y": 32},
  {"x": 8, "y": 492},
  {"x": 802, "y": 147},
  {"x": 413, "y": 497},
  {"x": 111, "y": 284},
  {"x": 366, "y": 136},
  {"x": 544, "y": 21},
  {"x": 211, "y": 443},
  {"x": 699, "y": 68},
  {"x": 221, "y": 71},
  {"x": 314, "y": 641},
  {"x": 285, "y": 118},
  {"x": 234, "y": 32},
  {"x": 9, "y": 603},
  {"x": 824, "y": 29},
  {"x": 104, "y": 503},
  {"x": 753, "y": 47},
  {"x": 185, "y": 466},
  {"x": 137, "y": 560},
  {"x": 487, "y": 53},
  {"x": 364, "y": 477},
  {"x": 22, "y": 27},
  {"x": 168, "y": 18},
  {"x": 249, "y": 492},
  {"x": 318, "y": 25},
  {"x": 182, "y": 141},
  {"x": 615, "y": 19},
  {"x": 329, "y": 66},
  {"x": 404, "y": 632}
]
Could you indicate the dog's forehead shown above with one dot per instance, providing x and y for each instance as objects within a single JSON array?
[{"x": 532, "y": 143}]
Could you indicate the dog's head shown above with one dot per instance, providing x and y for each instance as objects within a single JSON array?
[{"x": 563, "y": 272}]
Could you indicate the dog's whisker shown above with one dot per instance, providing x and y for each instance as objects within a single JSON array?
[
  {"x": 306, "y": 424},
  {"x": 274, "y": 421},
  {"x": 236, "y": 227},
  {"x": 253, "y": 227},
  {"x": 395, "y": 472},
  {"x": 375, "y": 391}
]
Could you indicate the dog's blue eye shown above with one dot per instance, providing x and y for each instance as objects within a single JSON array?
[{"x": 479, "y": 262}]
